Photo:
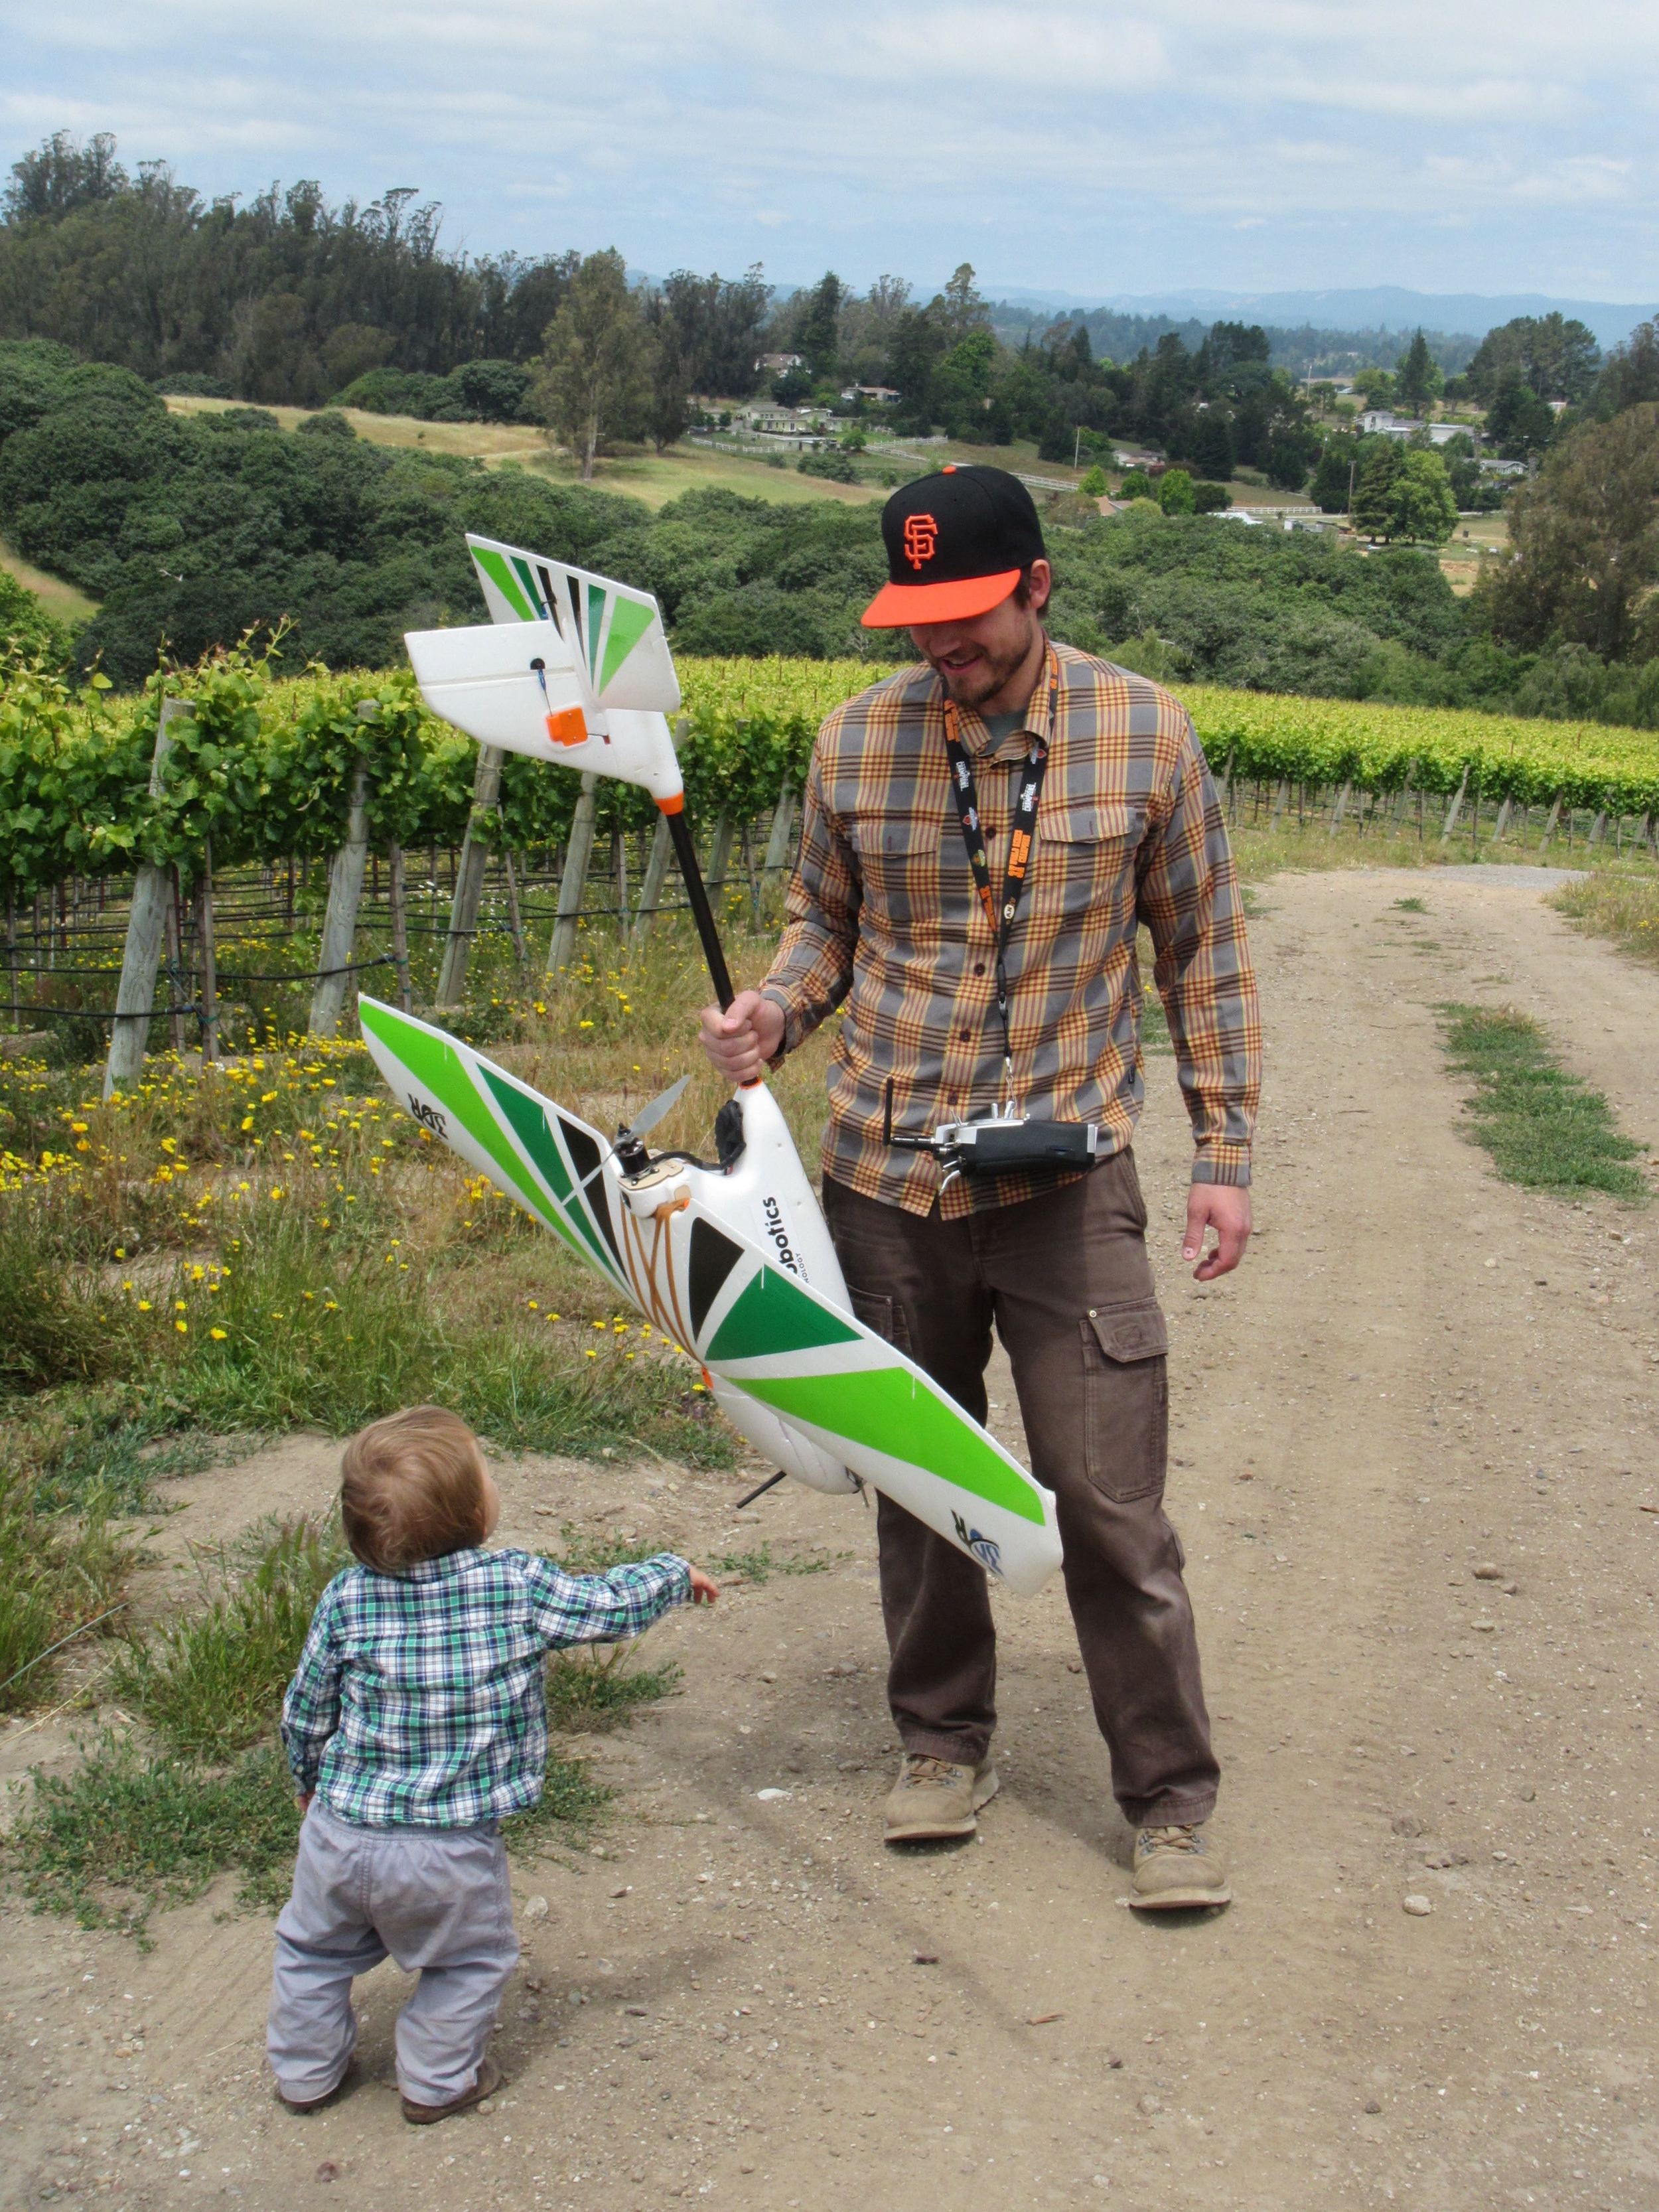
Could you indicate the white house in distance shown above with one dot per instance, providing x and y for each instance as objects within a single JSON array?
[
  {"x": 878, "y": 395},
  {"x": 1383, "y": 422},
  {"x": 776, "y": 364}
]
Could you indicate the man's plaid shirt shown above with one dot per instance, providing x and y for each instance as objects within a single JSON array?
[
  {"x": 419, "y": 1697},
  {"x": 883, "y": 913}
]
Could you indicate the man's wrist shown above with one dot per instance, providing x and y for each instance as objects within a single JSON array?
[{"x": 1227, "y": 1164}]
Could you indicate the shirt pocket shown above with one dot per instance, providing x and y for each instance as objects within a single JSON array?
[
  {"x": 1084, "y": 863},
  {"x": 900, "y": 860}
]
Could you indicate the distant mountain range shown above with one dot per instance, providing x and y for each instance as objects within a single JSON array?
[{"x": 1376, "y": 306}]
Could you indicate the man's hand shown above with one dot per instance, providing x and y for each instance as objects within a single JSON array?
[
  {"x": 1226, "y": 1209},
  {"x": 745, "y": 1037}
]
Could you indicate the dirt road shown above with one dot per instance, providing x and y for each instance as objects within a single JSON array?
[{"x": 1420, "y": 1373}]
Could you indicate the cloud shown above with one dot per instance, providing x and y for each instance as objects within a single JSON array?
[{"x": 1236, "y": 142}]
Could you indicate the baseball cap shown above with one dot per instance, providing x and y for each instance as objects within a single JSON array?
[{"x": 957, "y": 542}]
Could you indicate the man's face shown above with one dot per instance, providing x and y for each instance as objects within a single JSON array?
[{"x": 976, "y": 659}]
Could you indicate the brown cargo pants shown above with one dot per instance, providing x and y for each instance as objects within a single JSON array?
[{"x": 1065, "y": 1280}]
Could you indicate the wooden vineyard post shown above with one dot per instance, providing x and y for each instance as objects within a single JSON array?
[
  {"x": 1338, "y": 810},
  {"x": 345, "y": 895},
  {"x": 175, "y": 957},
  {"x": 147, "y": 929},
  {"x": 719, "y": 858},
  {"x": 573, "y": 883},
  {"x": 514, "y": 919},
  {"x": 209, "y": 965},
  {"x": 470, "y": 876},
  {"x": 1455, "y": 809},
  {"x": 656, "y": 875},
  {"x": 777, "y": 862},
  {"x": 1503, "y": 821},
  {"x": 1281, "y": 798},
  {"x": 1549, "y": 827},
  {"x": 394, "y": 883},
  {"x": 11, "y": 949}
]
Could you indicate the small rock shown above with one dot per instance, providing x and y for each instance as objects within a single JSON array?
[
  {"x": 1418, "y": 1907},
  {"x": 1148, "y": 2105},
  {"x": 535, "y": 1908},
  {"x": 766, "y": 1675},
  {"x": 1074, "y": 1666},
  {"x": 329, "y": 2170},
  {"x": 1526, "y": 1793},
  {"x": 771, "y": 1797},
  {"x": 924, "y": 1958},
  {"x": 1371, "y": 2104},
  {"x": 1483, "y": 1627},
  {"x": 627, "y": 1890},
  {"x": 1487, "y": 1572}
]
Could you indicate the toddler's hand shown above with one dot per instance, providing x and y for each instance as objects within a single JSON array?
[
  {"x": 705, "y": 1591},
  {"x": 304, "y": 1800}
]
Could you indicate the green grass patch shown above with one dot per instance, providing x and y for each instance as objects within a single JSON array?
[
  {"x": 123, "y": 1834},
  {"x": 1622, "y": 907},
  {"x": 1543, "y": 1127},
  {"x": 1411, "y": 905},
  {"x": 60, "y": 1576},
  {"x": 588, "y": 1690},
  {"x": 209, "y": 1684},
  {"x": 762, "y": 1562},
  {"x": 596, "y": 1551},
  {"x": 570, "y": 1799}
]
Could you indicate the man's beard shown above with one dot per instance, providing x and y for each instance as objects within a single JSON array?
[{"x": 985, "y": 679}]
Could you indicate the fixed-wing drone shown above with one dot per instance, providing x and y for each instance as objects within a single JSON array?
[{"x": 732, "y": 1262}]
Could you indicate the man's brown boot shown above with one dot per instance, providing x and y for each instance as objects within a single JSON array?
[
  {"x": 935, "y": 1798},
  {"x": 1175, "y": 1866},
  {"x": 485, "y": 2082}
]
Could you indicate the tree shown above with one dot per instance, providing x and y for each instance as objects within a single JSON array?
[
  {"x": 61, "y": 175},
  {"x": 1631, "y": 377},
  {"x": 1375, "y": 386},
  {"x": 816, "y": 324},
  {"x": 1093, "y": 485},
  {"x": 594, "y": 383},
  {"x": 958, "y": 310},
  {"x": 1333, "y": 478},
  {"x": 1418, "y": 377},
  {"x": 1174, "y": 492},
  {"x": 1210, "y": 444},
  {"x": 917, "y": 345},
  {"x": 1422, "y": 508},
  {"x": 1373, "y": 490},
  {"x": 1555, "y": 355},
  {"x": 1136, "y": 484},
  {"x": 1518, "y": 422},
  {"x": 1210, "y": 498},
  {"x": 1585, "y": 533}
]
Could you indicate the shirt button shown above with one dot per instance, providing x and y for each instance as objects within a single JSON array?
[
  {"x": 965, "y": 1035},
  {"x": 979, "y": 967}
]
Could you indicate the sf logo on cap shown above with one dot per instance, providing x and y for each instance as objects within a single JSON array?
[{"x": 921, "y": 537}]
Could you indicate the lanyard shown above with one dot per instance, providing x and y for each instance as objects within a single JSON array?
[{"x": 1001, "y": 918}]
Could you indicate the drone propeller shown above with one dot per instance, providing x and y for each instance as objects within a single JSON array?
[{"x": 649, "y": 1116}]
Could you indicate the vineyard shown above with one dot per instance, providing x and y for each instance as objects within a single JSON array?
[{"x": 312, "y": 829}]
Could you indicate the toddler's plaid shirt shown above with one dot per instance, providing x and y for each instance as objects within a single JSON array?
[{"x": 419, "y": 1697}]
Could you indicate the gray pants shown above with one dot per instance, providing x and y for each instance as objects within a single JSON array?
[{"x": 437, "y": 1902}]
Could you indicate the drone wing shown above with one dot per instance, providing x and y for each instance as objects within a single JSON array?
[{"x": 753, "y": 1325}]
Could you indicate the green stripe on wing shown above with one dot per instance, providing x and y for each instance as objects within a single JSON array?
[{"x": 885, "y": 1409}]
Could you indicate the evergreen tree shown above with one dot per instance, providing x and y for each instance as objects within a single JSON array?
[
  {"x": 594, "y": 384},
  {"x": 1373, "y": 491},
  {"x": 1417, "y": 377}
]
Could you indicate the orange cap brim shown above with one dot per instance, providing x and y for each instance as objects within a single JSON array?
[{"x": 897, "y": 606}]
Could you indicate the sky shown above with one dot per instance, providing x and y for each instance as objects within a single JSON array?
[{"x": 1466, "y": 145}]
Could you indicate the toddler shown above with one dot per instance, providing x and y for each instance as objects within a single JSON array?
[{"x": 416, "y": 1721}]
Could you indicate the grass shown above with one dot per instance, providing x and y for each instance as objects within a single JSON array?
[
  {"x": 762, "y": 1564},
  {"x": 1624, "y": 908},
  {"x": 124, "y": 1833},
  {"x": 61, "y": 1576},
  {"x": 1544, "y": 1127},
  {"x": 208, "y": 1684},
  {"x": 1411, "y": 905},
  {"x": 56, "y": 597},
  {"x": 588, "y": 1690}
]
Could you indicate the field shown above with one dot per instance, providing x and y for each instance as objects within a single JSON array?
[
  {"x": 1408, "y": 1437},
  {"x": 56, "y": 597},
  {"x": 653, "y": 478}
]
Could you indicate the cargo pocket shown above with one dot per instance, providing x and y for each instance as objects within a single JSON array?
[
  {"x": 1126, "y": 1399},
  {"x": 884, "y": 1316}
]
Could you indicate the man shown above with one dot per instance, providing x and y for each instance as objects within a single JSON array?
[{"x": 964, "y": 1000}]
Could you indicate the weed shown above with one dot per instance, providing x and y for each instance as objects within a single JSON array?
[
  {"x": 52, "y": 1328},
  {"x": 1411, "y": 905},
  {"x": 1543, "y": 1127},
  {"x": 587, "y": 1691},
  {"x": 123, "y": 1834},
  {"x": 210, "y": 1685},
  {"x": 113, "y": 1442},
  {"x": 58, "y": 1577},
  {"x": 1625, "y": 908},
  {"x": 760, "y": 1564},
  {"x": 568, "y": 1798},
  {"x": 596, "y": 1551}
]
